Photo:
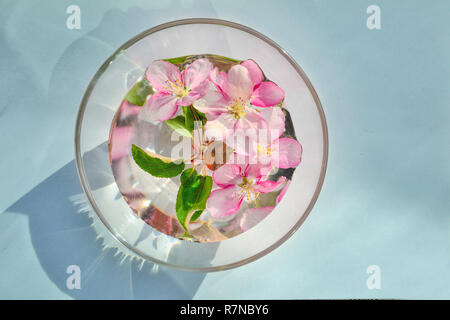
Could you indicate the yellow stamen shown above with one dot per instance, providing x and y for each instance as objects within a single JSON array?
[
  {"x": 177, "y": 88},
  {"x": 238, "y": 108},
  {"x": 264, "y": 150},
  {"x": 248, "y": 190}
]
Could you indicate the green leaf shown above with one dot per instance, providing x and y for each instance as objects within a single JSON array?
[
  {"x": 179, "y": 125},
  {"x": 139, "y": 93},
  {"x": 191, "y": 115},
  {"x": 196, "y": 215},
  {"x": 177, "y": 60},
  {"x": 192, "y": 195},
  {"x": 188, "y": 176},
  {"x": 184, "y": 125},
  {"x": 156, "y": 166}
]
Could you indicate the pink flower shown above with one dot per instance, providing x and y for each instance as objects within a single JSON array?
[
  {"x": 238, "y": 184},
  {"x": 175, "y": 88},
  {"x": 232, "y": 105}
]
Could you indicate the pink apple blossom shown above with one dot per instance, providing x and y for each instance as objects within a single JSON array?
[
  {"x": 234, "y": 105},
  {"x": 238, "y": 184},
  {"x": 175, "y": 88}
]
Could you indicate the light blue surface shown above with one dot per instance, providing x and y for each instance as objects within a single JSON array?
[{"x": 386, "y": 197}]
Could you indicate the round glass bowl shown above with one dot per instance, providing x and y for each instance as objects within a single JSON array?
[{"x": 100, "y": 106}]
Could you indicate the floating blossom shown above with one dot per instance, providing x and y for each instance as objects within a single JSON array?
[
  {"x": 238, "y": 184},
  {"x": 176, "y": 88},
  {"x": 232, "y": 105}
]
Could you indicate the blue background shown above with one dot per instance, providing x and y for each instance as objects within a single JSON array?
[{"x": 385, "y": 200}]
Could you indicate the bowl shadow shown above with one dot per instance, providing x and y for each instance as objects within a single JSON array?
[{"x": 60, "y": 235}]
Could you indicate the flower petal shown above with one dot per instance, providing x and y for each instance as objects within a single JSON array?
[
  {"x": 253, "y": 216},
  {"x": 186, "y": 101},
  {"x": 196, "y": 73},
  {"x": 221, "y": 127},
  {"x": 256, "y": 75},
  {"x": 224, "y": 202},
  {"x": 212, "y": 104},
  {"x": 265, "y": 168},
  {"x": 159, "y": 73},
  {"x": 195, "y": 94},
  {"x": 289, "y": 153},
  {"x": 283, "y": 191},
  {"x": 241, "y": 143},
  {"x": 241, "y": 160},
  {"x": 275, "y": 120},
  {"x": 267, "y": 94},
  {"x": 252, "y": 122},
  {"x": 218, "y": 78},
  {"x": 247, "y": 130},
  {"x": 227, "y": 175},
  {"x": 254, "y": 171},
  {"x": 238, "y": 84},
  {"x": 161, "y": 106},
  {"x": 268, "y": 185}
]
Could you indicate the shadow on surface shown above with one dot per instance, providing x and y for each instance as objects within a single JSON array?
[{"x": 63, "y": 237}]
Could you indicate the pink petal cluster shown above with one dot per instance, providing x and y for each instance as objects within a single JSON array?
[
  {"x": 233, "y": 105},
  {"x": 175, "y": 88}
]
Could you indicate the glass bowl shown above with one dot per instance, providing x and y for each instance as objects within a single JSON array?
[{"x": 99, "y": 108}]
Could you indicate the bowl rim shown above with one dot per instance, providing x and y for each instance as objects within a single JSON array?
[{"x": 99, "y": 73}]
